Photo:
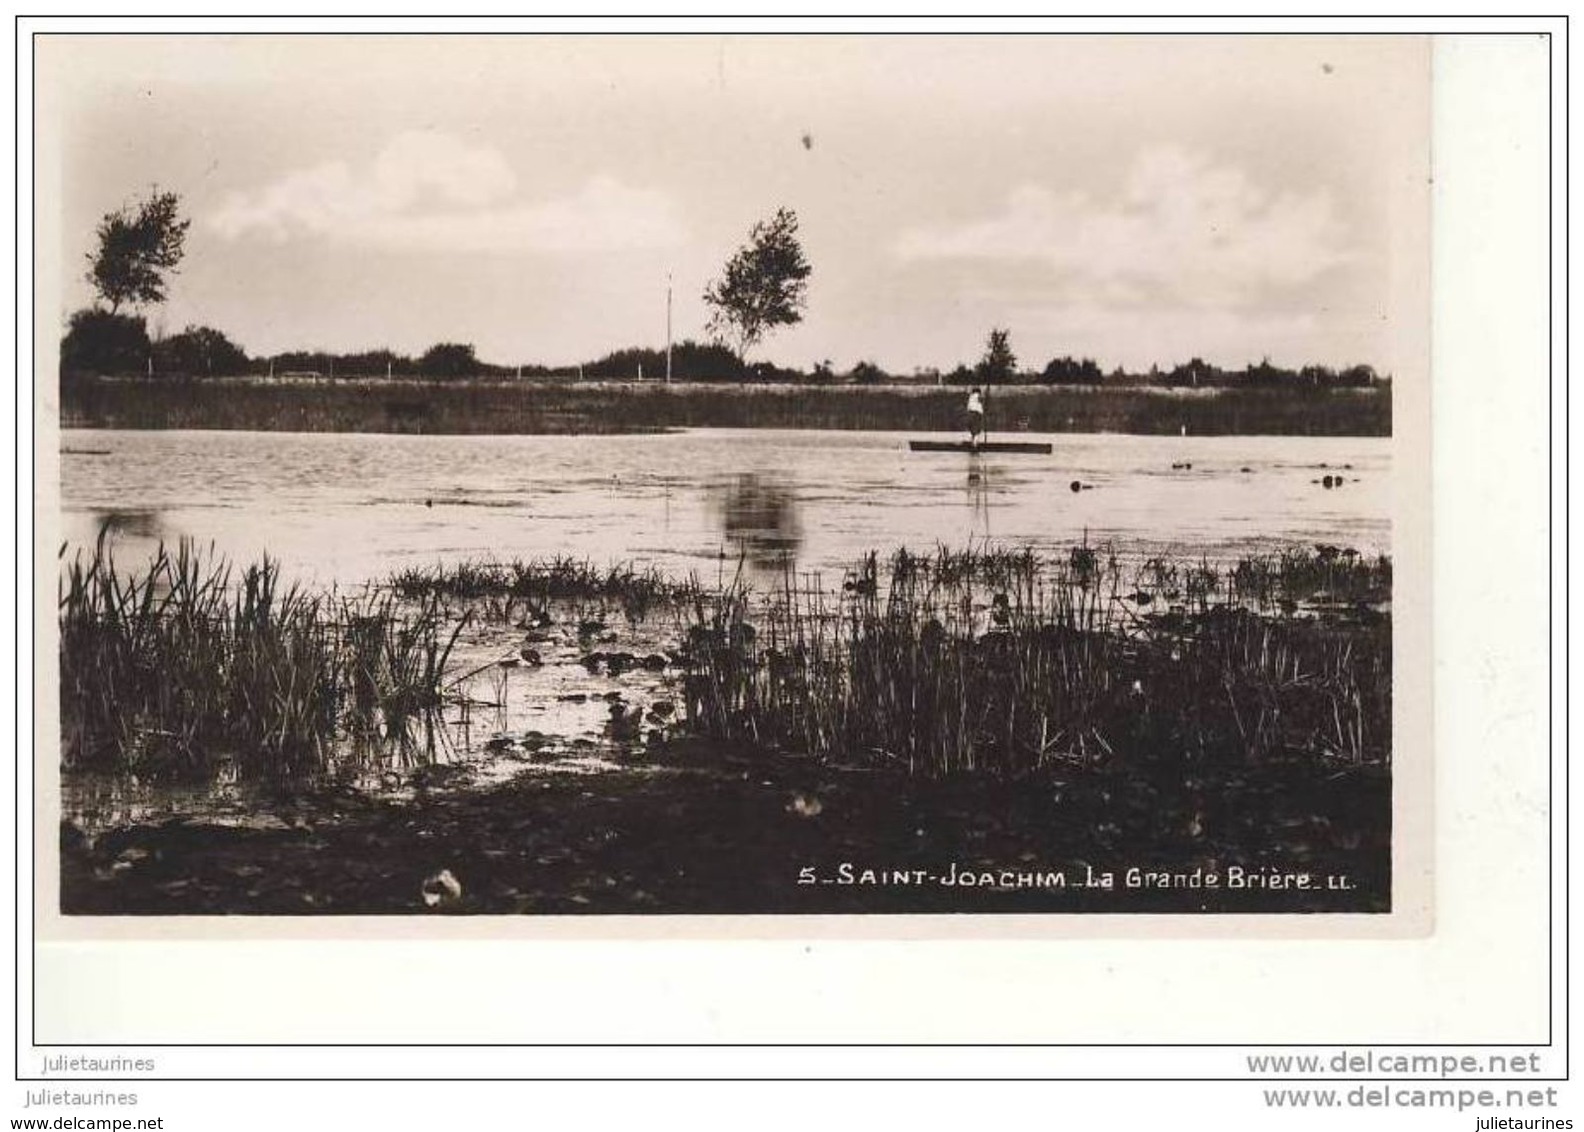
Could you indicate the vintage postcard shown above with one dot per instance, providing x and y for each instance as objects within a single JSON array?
[{"x": 609, "y": 485}]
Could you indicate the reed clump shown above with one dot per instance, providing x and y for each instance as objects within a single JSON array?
[
  {"x": 1008, "y": 662},
  {"x": 184, "y": 670},
  {"x": 505, "y": 590}
]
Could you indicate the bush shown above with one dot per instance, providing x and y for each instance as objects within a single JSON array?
[
  {"x": 199, "y": 351},
  {"x": 448, "y": 359},
  {"x": 690, "y": 361},
  {"x": 1069, "y": 371},
  {"x": 705, "y": 361},
  {"x": 100, "y": 342}
]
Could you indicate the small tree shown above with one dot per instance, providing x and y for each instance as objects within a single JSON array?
[
  {"x": 448, "y": 359},
  {"x": 1071, "y": 371},
  {"x": 1262, "y": 374},
  {"x": 100, "y": 342},
  {"x": 867, "y": 373},
  {"x": 765, "y": 285},
  {"x": 200, "y": 351},
  {"x": 137, "y": 248},
  {"x": 697, "y": 361},
  {"x": 998, "y": 365}
]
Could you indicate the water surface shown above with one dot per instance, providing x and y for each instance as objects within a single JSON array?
[
  {"x": 343, "y": 509},
  {"x": 346, "y": 508}
]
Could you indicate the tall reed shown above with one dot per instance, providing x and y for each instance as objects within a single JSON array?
[
  {"x": 178, "y": 669},
  {"x": 1005, "y": 663},
  {"x": 509, "y": 589}
]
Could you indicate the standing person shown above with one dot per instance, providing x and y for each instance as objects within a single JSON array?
[{"x": 976, "y": 416}]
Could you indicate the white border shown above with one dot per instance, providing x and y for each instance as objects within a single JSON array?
[{"x": 1482, "y": 977}]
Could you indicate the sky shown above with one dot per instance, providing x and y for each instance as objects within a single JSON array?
[{"x": 1138, "y": 200}]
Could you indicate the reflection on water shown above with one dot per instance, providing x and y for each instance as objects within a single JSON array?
[
  {"x": 760, "y": 521},
  {"x": 129, "y": 522},
  {"x": 338, "y": 510},
  {"x": 594, "y": 702},
  {"x": 981, "y": 477},
  {"x": 342, "y": 508},
  {"x": 389, "y": 747},
  {"x": 99, "y": 802}
]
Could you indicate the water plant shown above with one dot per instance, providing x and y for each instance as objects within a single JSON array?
[
  {"x": 523, "y": 590},
  {"x": 1007, "y": 663},
  {"x": 977, "y": 659},
  {"x": 183, "y": 669}
]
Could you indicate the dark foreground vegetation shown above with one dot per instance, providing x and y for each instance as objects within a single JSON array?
[
  {"x": 1207, "y": 737},
  {"x": 1005, "y": 665},
  {"x": 527, "y": 407},
  {"x": 181, "y": 671},
  {"x": 709, "y": 829}
]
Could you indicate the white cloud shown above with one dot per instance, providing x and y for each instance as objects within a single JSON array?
[
  {"x": 1180, "y": 229},
  {"x": 1224, "y": 336},
  {"x": 428, "y": 191}
]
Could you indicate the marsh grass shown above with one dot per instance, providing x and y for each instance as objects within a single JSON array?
[
  {"x": 982, "y": 659},
  {"x": 522, "y": 590},
  {"x": 595, "y": 407},
  {"x": 182, "y": 670},
  {"x": 1006, "y": 663}
]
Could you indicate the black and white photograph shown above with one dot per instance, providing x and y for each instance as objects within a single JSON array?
[{"x": 588, "y": 476}]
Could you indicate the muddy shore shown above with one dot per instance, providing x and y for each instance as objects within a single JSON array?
[{"x": 694, "y": 829}]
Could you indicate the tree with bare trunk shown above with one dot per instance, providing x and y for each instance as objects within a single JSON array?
[
  {"x": 765, "y": 285},
  {"x": 138, "y": 246},
  {"x": 999, "y": 364}
]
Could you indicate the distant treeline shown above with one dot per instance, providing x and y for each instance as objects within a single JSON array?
[
  {"x": 99, "y": 343},
  {"x": 500, "y": 406}
]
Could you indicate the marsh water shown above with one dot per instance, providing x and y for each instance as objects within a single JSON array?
[
  {"x": 341, "y": 510},
  {"x": 338, "y": 508}
]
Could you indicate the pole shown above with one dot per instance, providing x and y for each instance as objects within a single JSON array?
[{"x": 668, "y": 328}]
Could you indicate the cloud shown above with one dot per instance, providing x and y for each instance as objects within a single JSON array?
[
  {"x": 1225, "y": 336},
  {"x": 430, "y": 191},
  {"x": 1181, "y": 229}
]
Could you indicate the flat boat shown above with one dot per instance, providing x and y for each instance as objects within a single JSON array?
[{"x": 1029, "y": 447}]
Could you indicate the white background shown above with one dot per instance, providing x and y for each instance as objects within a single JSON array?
[{"x": 1480, "y": 977}]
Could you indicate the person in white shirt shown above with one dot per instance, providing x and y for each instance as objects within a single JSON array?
[{"x": 976, "y": 416}]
